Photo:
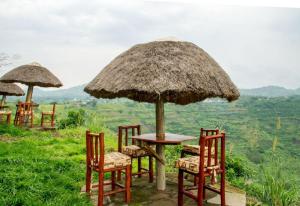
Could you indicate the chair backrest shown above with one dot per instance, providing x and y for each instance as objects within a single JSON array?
[
  {"x": 211, "y": 144},
  {"x": 53, "y": 107},
  {"x": 24, "y": 106},
  {"x": 208, "y": 132},
  {"x": 95, "y": 149},
  {"x": 129, "y": 130}
]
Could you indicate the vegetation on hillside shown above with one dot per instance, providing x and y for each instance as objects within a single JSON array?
[{"x": 262, "y": 147}]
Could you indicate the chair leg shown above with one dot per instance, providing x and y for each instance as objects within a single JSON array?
[
  {"x": 52, "y": 121},
  {"x": 31, "y": 121},
  {"x": 200, "y": 190},
  {"x": 139, "y": 167},
  {"x": 21, "y": 120},
  {"x": 180, "y": 187},
  {"x": 119, "y": 175},
  {"x": 101, "y": 189},
  {"x": 150, "y": 169},
  {"x": 8, "y": 118},
  {"x": 127, "y": 184},
  {"x": 182, "y": 154},
  {"x": 16, "y": 119},
  {"x": 130, "y": 173},
  {"x": 42, "y": 121},
  {"x": 88, "y": 180},
  {"x": 113, "y": 180},
  {"x": 195, "y": 180},
  {"x": 222, "y": 189}
]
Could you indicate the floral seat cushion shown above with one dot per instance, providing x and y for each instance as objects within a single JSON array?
[
  {"x": 191, "y": 164},
  {"x": 115, "y": 160},
  {"x": 48, "y": 112},
  {"x": 5, "y": 112},
  {"x": 134, "y": 151},
  {"x": 195, "y": 149}
]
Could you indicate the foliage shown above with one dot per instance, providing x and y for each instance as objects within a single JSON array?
[
  {"x": 277, "y": 189},
  {"x": 13, "y": 131},
  {"x": 74, "y": 119},
  {"x": 237, "y": 167}
]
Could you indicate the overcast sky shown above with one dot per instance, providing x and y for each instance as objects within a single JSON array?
[{"x": 75, "y": 39}]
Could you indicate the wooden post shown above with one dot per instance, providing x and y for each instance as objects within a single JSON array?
[
  {"x": 2, "y": 103},
  {"x": 160, "y": 148},
  {"x": 29, "y": 93},
  {"x": 160, "y": 119}
]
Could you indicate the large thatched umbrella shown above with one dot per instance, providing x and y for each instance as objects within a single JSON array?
[
  {"x": 9, "y": 89},
  {"x": 163, "y": 71},
  {"x": 32, "y": 75}
]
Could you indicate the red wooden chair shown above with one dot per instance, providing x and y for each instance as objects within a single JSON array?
[
  {"x": 50, "y": 114},
  {"x": 207, "y": 164},
  {"x": 24, "y": 114},
  {"x": 98, "y": 161},
  {"x": 7, "y": 114},
  {"x": 134, "y": 150},
  {"x": 195, "y": 149}
]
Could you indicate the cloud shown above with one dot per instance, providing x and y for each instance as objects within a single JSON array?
[{"x": 257, "y": 46}]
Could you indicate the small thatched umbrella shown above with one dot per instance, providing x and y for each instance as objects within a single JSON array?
[
  {"x": 9, "y": 89},
  {"x": 163, "y": 71},
  {"x": 32, "y": 75}
]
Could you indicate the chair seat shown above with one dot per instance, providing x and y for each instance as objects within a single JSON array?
[
  {"x": 191, "y": 164},
  {"x": 47, "y": 113},
  {"x": 195, "y": 149},
  {"x": 134, "y": 151},
  {"x": 116, "y": 160},
  {"x": 5, "y": 112}
]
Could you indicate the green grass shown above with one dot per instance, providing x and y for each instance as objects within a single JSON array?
[{"x": 43, "y": 168}]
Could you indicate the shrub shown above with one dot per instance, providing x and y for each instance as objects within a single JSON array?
[
  {"x": 237, "y": 168},
  {"x": 74, "y": 119}
]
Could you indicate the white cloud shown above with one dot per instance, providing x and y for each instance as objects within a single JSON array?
[{"x": 75, "y": 39}]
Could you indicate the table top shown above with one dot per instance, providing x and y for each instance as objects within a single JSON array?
[
  {"x": 33, "y": 105},
  {"x": 169, "y": 138}
]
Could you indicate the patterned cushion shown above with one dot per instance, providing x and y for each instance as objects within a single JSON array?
[
  {"x": 48, "y": 113},
  {"x": 195, "y": 149},
  {"x": 5, "y": 112},
  {"x": 116, "y": 159},
  {"x": 134, "y": 151},
  {"x": 191, "y": 164}
]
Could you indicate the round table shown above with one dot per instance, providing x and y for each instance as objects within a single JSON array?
[{"x": 170, "y": 139}]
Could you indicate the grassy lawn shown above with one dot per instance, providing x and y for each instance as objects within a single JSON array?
[{"x": 43, "y": 168}]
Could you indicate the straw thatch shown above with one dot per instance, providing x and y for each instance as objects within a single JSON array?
[
  {"x": 10, "y": 89},
  {"x": 178, "y": 72},
  {"x": 32, "y": 74}
]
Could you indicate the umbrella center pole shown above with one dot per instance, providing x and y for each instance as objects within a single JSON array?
[
  {"x": 160, "y": 148},
  {"x": 29, "y": 93},
  {"x": 160, "y": 119},
  {"x": 2, "y": 101}
]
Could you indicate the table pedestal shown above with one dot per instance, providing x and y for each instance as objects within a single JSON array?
[
  {"x": 159, "y": 154},
  {"x": 160, "y": 168}
]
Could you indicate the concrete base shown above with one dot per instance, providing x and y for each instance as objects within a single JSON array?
[{"x": 144, "y": 193}]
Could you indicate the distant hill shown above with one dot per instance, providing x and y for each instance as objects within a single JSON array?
[
  {"x": 77, "y": 93},
  {"x": 73, "y": 93},
  {"x": 270, "y": 91}
]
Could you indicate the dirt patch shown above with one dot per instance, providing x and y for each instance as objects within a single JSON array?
[{"x": 8, "y": 139}]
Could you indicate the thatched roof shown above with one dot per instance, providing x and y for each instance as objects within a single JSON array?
[
  {"x": 179, "y": 72},
  {"x": 10, "y": 89},
  {"x": 32, "y": 74}
]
